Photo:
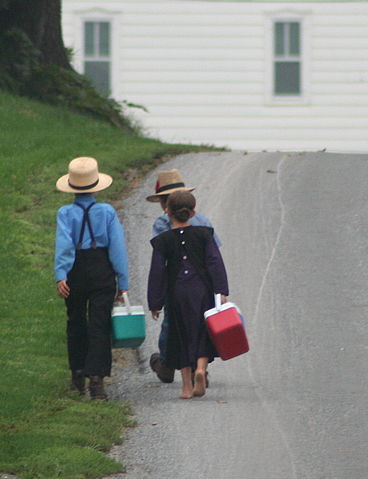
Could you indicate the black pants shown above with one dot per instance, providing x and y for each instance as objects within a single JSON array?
[{"x": 92, "y": 291}]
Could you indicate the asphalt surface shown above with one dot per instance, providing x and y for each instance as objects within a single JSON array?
[{"x": 294, "y": 229}]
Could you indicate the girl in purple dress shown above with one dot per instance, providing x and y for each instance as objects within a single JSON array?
[{"x": 186, "y": 269}]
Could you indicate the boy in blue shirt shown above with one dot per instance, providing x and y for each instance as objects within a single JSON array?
[{"x": 91, "y": 270}]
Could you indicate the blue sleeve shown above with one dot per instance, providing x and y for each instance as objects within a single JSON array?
[
  {"x": 201, "y": 220},
  {"x": 64, "y": 247},
  {"x": 161, "y": 224},
  {"x": 117, "y": 251}
]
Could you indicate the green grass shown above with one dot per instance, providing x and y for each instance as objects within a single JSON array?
[{"x": 47, "y": 432}]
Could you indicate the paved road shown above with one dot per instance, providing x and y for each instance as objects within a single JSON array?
[{"x": 295, "y": 240}]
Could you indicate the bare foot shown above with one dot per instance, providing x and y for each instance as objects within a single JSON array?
[
  {"x": 186, "y": 395},
  {"x": 199, "y": 383}
]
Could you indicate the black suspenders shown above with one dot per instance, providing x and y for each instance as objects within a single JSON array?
[{"x": 84, "y": 221}]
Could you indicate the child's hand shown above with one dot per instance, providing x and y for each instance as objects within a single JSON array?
[
  {"x": 155, "y": 315},
  {"x": 63, "y": 288},
  {"x": 223, "y": 299},
  {"x": 119, "y": 295}
]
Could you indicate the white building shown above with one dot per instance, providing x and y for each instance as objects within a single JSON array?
[{"x": 249, "y": 75}]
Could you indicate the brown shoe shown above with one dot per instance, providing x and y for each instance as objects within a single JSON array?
[
  {"x": 78, "y": 382},
  {"x": 163, "y": 372},
  {"x": 96, "y": 388}
]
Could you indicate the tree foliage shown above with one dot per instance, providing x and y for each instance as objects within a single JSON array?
[{"x": 35, "y": 63}]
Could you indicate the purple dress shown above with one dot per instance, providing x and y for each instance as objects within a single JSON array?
[{"x": 187, "y": 268}]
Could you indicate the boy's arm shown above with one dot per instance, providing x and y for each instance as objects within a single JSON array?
[
  {"x": 117, "y": 252},
  {"x": 64, "y": 248},
  {"x": 200, "y": 220},
  {"x": 161, "y": 224}
]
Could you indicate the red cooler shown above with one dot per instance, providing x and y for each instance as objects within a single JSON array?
[{"x": 225, "y": 325}]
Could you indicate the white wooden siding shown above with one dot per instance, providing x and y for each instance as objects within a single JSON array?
[{"x": 200, "y": 68}]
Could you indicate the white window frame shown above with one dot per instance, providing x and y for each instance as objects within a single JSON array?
[
  {"x": 303, "y": 97},
  {"x": 97, "y": 15}
]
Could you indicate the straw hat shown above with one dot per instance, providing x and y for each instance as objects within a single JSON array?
[
  {"x": 167, "y": 182},
  {"x": 83, "y": 177}
]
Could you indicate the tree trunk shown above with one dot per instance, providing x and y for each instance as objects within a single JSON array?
[
  {"x": 34, "y": 61},
  {"x": 41, "y": 21}
]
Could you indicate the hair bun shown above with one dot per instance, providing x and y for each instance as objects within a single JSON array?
[{"x": 181, "y": 204}]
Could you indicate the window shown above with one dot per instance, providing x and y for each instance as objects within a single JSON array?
[
  {"x": 287, "y": 61},
  {"x": 97, "y": 55}
]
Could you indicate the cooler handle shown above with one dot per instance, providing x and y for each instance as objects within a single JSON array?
[
  {"x": 127, "y": 302},
  {"x": 218, "y": 301}
]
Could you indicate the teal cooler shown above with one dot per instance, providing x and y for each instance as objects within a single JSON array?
[{"x": 128, "y": 325}]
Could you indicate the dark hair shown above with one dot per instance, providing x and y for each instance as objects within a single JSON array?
[{"x": 181, "y": 203}]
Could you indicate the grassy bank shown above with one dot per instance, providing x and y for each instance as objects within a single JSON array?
[{"x": 47, "y": 432}]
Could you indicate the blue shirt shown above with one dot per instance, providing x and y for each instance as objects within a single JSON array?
[
  {"x": 107, "y": 230},
  {"x": 162, "y": 224}
]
